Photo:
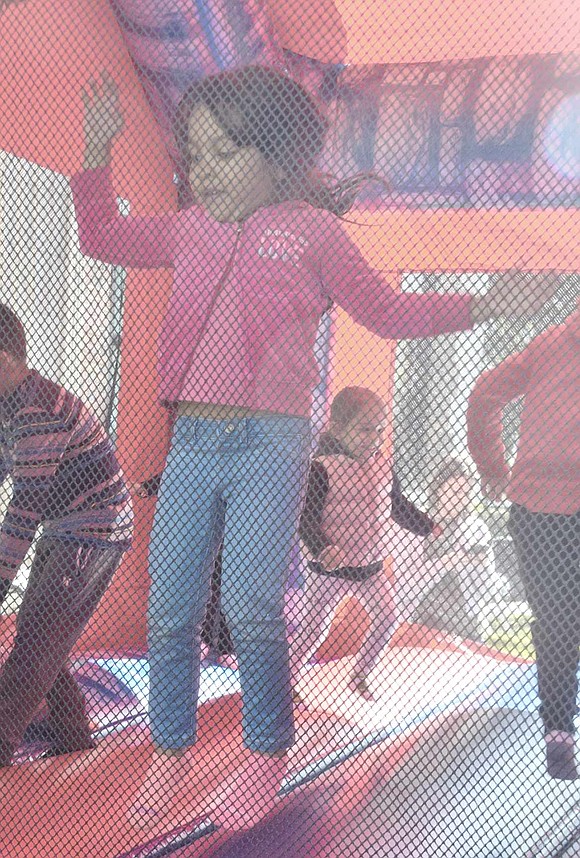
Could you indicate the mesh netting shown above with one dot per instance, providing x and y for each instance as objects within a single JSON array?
[{"x": 289, "y": 429}]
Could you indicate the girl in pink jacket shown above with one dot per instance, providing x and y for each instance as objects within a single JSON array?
[{"x": 256, "y": 261}]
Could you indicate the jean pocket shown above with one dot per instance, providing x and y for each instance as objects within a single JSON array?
[
  {"x": 184, "y": 432},
  {"x": 279, "y": 428}
]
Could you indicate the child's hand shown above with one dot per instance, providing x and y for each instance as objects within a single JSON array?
[
  {"x": 147, "y": 488},
  {"x": 138, "y": 490},
  {"x": 332, "y": 558},
  {"x": 494, "y": 488},
  {"x": 515, "y": 293},
  {"x": 103, "y": 119}
]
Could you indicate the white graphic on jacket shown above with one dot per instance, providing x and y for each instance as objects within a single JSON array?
[{"x": 278, "y": 244}]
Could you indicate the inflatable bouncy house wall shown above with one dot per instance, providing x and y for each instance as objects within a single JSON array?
[{"x": 289, "y": 424}]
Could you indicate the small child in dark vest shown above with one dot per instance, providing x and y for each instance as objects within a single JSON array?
[{"x": 353, "y": 510}]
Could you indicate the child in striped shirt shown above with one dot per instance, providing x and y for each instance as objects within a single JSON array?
[{"x": 66, "y": 479}]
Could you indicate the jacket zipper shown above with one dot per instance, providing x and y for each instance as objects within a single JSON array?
[{"x": 218, "y": 290}]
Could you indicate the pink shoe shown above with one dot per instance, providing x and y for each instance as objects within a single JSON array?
[
  {"x": 249, "y": 793},
  {"x": 164, "y": 780}
]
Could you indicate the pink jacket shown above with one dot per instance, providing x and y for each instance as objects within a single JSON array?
[
  {"x": 357, "y": 510},
  {"x": 282, "y": 266},
  {"x": 546, "y": 474}
]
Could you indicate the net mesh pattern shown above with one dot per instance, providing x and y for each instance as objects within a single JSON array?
[{"x": 289, "y": 430}]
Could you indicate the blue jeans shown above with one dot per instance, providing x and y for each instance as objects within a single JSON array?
[{"x": 241, "y": 480}]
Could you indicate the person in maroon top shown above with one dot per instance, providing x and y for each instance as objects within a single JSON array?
[{"x": 544, "y": 489}]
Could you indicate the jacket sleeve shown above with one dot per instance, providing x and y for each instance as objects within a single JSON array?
[
  {"x": 406, "y": 514},
  {"x": 493, "y": 390},
  {"x": 134, "y": 242},
  {"x": 310, "y": 528},
  {"x": 370, "y": 299}
]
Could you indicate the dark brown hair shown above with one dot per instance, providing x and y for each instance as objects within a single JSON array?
[
  {"x": 261, "y": 107},
  {"x": 12, "y": 335}
]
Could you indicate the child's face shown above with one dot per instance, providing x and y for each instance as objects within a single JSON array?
[
  {"x": 363, "y": 436},
  {"x": 228, "y": 181},
  {"x": 454, "y": 497}
]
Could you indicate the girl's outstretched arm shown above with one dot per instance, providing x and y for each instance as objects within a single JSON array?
[
  {"x": 366, "y": 295},
  {"x": 406, "y": 514},
  {"x": 141, "y": 242}
]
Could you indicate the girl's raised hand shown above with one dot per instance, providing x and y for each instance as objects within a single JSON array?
[
  {"x": 103, "y": 119},
  {"x": 516, "y": 293}
]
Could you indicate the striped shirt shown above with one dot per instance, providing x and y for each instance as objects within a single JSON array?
[{"x": 64, "y": 471}]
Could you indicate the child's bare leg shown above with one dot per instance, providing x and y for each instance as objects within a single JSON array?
[
  {"x": 321, "y": 598},
  {"x": 376, "y": 596}
]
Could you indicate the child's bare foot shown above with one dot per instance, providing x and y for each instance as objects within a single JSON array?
[
  {"x": 163, "y": 781},
  {"x": 249, "y": 793},
  {"x": 358, "y": 685}
]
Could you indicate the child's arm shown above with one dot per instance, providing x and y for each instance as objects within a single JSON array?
[
  {"x": 492, "y": 392},
  {"x": 310, "y": 527},
  {"x": 132, "y": 242},
  {"x": 406, "y": 514},
  {"x": 103, "y": 233},
  {"x": 349, "y": 280}
]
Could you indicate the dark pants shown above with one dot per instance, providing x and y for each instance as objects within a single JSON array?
[
  {"x": 67, "y": 581},
  {"x": 548, "y": 548}
]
